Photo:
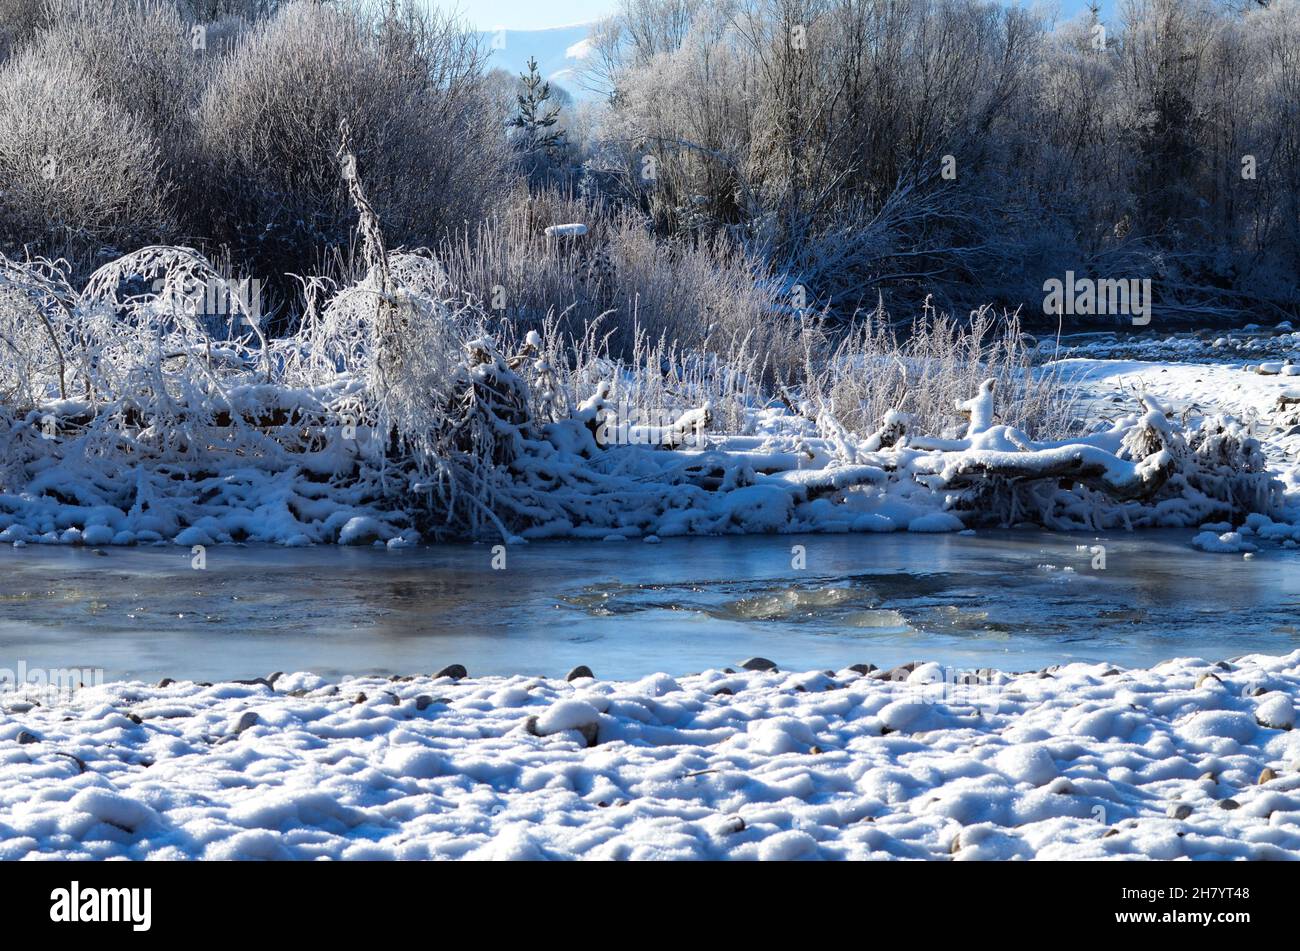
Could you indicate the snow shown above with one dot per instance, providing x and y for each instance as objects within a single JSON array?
[
  {"x": 1227, "y": 543},
  {"x": 582, "y": 49},
  {"x": 936, "y": 522},
  {"x": 1081, "y": 761},
  {"x": 574, "y": 230},
  {"x": 204, "y": 436}
]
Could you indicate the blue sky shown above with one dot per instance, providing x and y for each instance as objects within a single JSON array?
[
  {"x": 535, "y": 15},
  {"x": 528, "y": 14}
]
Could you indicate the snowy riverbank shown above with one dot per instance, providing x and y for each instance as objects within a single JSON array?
[{"x": 1192, "y": 758}]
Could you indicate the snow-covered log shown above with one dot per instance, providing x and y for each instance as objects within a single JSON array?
[{"x": 1090, "y": 465}]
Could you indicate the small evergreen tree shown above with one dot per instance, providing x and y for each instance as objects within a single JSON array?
[{"x": 537, "y": 138}]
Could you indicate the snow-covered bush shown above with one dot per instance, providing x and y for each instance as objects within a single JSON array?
[
  {"x": 135, "y": 54},
  {"x": 400, "y": 409},
  {"x": 410, "y": 85},
  {"x": 76, "y": 171}
]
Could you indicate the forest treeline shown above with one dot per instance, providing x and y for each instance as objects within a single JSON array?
[{"x": 736, "y": 161}]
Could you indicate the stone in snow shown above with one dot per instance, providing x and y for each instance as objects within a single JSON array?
[
  {"x": 249, "y": 719},
  {"x": 758, "y": 663},
  {"x": 1276, "y": 711}
]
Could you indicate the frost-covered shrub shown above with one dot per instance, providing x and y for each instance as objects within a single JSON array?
[
  {"x": 705, "y": 295},
  {"x": 410, "y": 85},
  {"x": 135, "y": 54},
  {"x": 36, "y": 339},
  {"x": 19, "y": 21},
  {"x": 74, "y": 169},
  {"x": 210, "y": 11},
  {"x": 930, "y": 369}
]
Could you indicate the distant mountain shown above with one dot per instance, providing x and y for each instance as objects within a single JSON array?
[{"x": 557, "y": 50}]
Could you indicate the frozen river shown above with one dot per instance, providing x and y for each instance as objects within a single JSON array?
[{"x": 1012, "y": 600}]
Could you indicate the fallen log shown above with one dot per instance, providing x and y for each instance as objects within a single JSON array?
[{"x": 1088, "y": 465}]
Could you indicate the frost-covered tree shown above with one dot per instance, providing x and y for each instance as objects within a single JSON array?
[{"x": 963, "y": 147}]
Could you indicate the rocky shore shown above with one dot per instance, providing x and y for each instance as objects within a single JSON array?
[{"x": 1191, "y": 758}]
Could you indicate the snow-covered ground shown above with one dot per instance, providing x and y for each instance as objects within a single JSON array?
[
  {"x": 1197, "y": 389},
  {"x": 1192, "y": 758}
]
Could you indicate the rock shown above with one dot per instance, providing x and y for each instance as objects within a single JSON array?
[
  {"x": 454, "y": 671},
  {"x": 1179, "y": 810},
  {"x": 423, "y": 702},
  {"x": 274, "y": 677},
  {"x": 1210, "y": 776},
  {"x": 1109, "y": 832},
  {"x": 1112, "y": 672},
  {"x": 899, "y": 673},
  {"x": 134, "y": 718},
  {"x": 166, "y": 682},
  {"x": 863, "y": 669},
  {"x": 758, "y": 663},
  {"x": 360, "y": 698},
  {"x": 249, "y": 719},
  {"x": 582, "y": 670},
  {"x": 1229, "y": 804},
  {"x": 567, "y": 715},
  {"x": 253, "y": 682},
  {"x": 724, "y": 692},
  {"x": 1267, "y": 776},
  {"x": 24, "y": 737},
  {"x": 1204, "y": 678},
  {"x": 732, "y": 825},
  {"x": 1276, "y": 712}
]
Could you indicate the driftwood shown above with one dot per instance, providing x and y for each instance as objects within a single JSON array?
[{"x": 1088, "y": 465}]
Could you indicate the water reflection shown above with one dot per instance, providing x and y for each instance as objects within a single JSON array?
[{"x": 1010, "y": 599}]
